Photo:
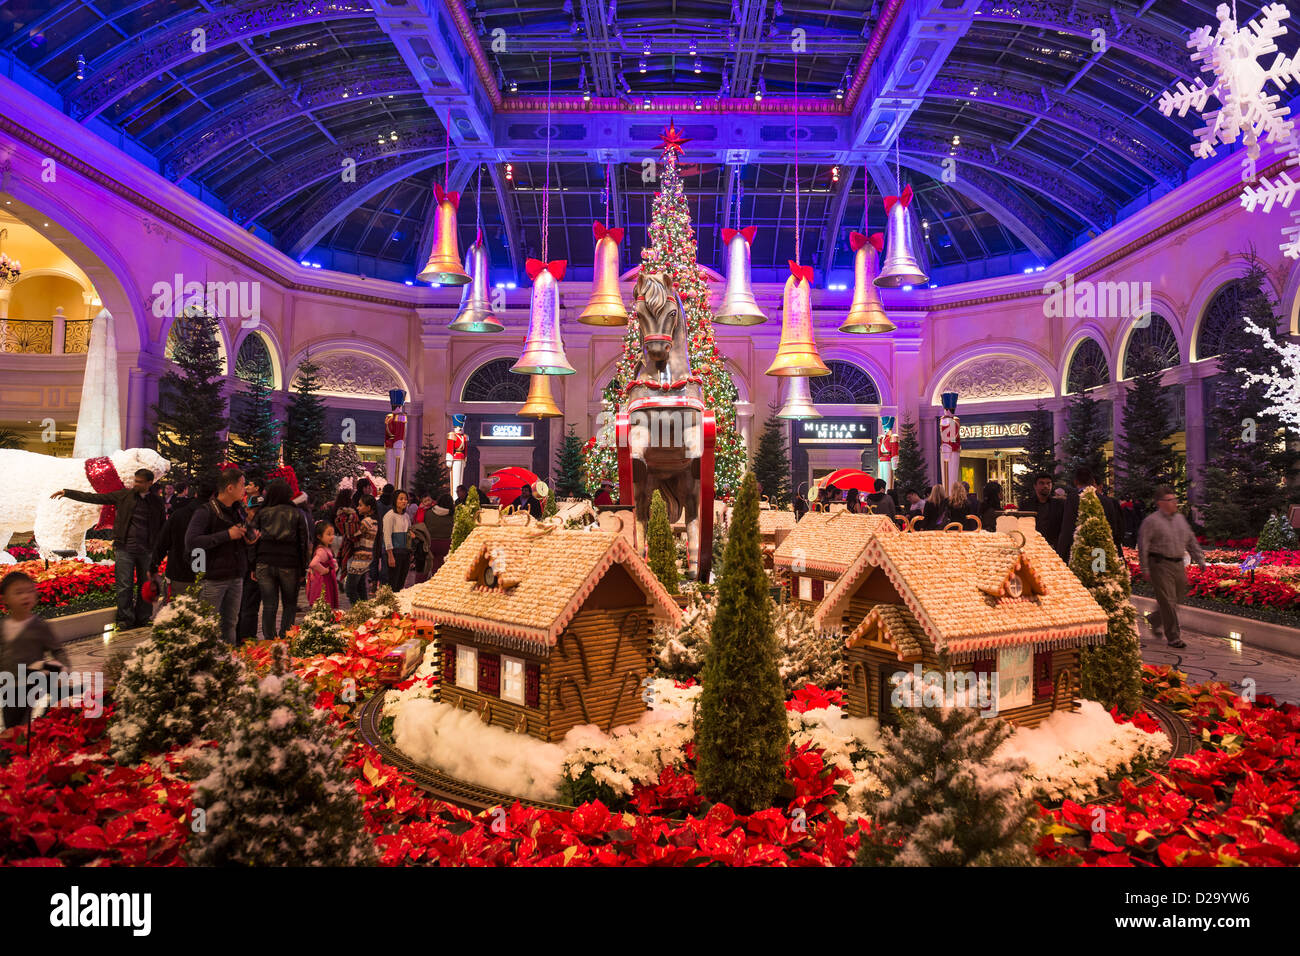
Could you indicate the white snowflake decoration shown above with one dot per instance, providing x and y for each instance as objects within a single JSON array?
[{"x": 1246, "y": 108}]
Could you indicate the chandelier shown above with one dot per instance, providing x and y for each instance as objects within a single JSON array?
[{"x": 10, "y": 269}]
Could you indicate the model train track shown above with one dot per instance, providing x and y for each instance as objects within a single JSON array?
[
  {"x": 1181, "y": 744},
  {"x": 438, "y": 784}
]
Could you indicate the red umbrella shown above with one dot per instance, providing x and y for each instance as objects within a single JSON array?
[
  {"x": 830, "y": 480},
  {"x": 508, "y": 483},
  {"x": 847, "y": 478}
]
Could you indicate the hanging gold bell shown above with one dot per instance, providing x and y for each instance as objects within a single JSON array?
[
  {"x": 738, "y": 304},
  {"x": 866, "y": 313},
  {"x": 797, "y": 353},
  {"x": 798, "y": 400},
  {"x": 475, "y": 313},
  {"x": 605, "y": 307},
  {"x": 903, "y": 258},
  {"x": 444, "y": 265},
  {"x": 543, "y": 348},
  {"x": 539, "y": 403}
]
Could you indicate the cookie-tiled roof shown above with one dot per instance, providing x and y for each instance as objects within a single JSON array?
[
  {"x": 954, "y": 583},
  {"x": 548, "y": 572},
  {"x": 898, "y": 626},
  {"x": 770, "y": 521},
  {"x": 830, "y": 541}
]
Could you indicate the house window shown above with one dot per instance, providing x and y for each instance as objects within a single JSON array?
[
  {"x": 448, "y": 664},
  {"x": 1043, "y": 675},
  {"x": 466, "y": 667},
  {"x": 818, "y": 589},
  {"x": 512, "y": 680},
  {"x": 805, "y": 589},
  {"x": 1015, "y": 677},
  {"x": 532, "y": 684},
  {"x": 489, "y": 674}
]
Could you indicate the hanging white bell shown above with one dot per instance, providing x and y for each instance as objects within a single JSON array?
[{"x": 904, "y": 253}]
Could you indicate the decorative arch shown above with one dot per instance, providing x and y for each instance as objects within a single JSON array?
[
  {"x": 264, "y": 332},
  {"x": 742, "y": 386},
  {"x": 254, "y": 363},
  {"x": 223, "y": 345},
  {"x": 848, "y": 384},
  {"x": 58, "y": 274},
  {"x": 352, "y": 370},
  {"x": 494, "y": 382},
  {"x": 1220, "y": 324},
  {"x": 877, "y": 372},
  {"x": 1155, "y": 334},
  {"x": 1004, "y": 372},
  {"x": 1087, "y": 366},
  {"x": 1233, "y": 269}
]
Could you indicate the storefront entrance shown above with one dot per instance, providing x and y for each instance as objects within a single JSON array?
[
  {"x": 823, "y": 445},
  {"x": 500, "y": 441},
  {"x": 993, "y": 449}
]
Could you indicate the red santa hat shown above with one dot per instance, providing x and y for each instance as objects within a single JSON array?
[{"x": 287, "y": 473}]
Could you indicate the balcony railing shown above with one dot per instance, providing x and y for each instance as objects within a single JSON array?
[{"x": 36, "y": 336}]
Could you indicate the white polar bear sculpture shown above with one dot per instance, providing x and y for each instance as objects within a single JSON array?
[{"x": 59, "y": 524}]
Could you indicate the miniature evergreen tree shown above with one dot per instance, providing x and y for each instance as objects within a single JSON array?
[
  {"x": 1086, "y": 432},
  {"x": 1277, "y": 535},
  {"x": 741, "y": 734},
  {"x": 174, "y": 684},
  {"x": 255, "y": 429},
  {"x": 430, "y": 471},
  {"x": 671, "y": 250},
  {"x": 342, "y": 461},
  {"x": 277, "y": 790},
  {"x": 550, "y": 509},
  {"x": 772, "y": 462},
  {"x": 1040, "y": 453},
  {"x": 949, "y": 801},
  {"x": 318, "y": 633},
  {"x": 1248, "y": 460},
  {"x": 190, "y": 416},
  {"x": 910, "y": 470},
  {"x": 568, "y": 467},
  {"x": 661, "y": 546},
  {"x": 466, "y": 518},
  {"x": 1112, "y": 672},
  {"x": 1145, "y": 457},
  {"x": 305, "y": 431}
]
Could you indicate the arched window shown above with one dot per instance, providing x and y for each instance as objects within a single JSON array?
[
  {"x": 494, "y": 382},
  {"x": 1156, "y": 337},
  {"x": 173, "y": 334},
  {"x": 846, "y": 385},
  {"x": 1088, "y": 368},
  {"x": 1222, "y": 326},
  {"x": 253, "y": 362}
]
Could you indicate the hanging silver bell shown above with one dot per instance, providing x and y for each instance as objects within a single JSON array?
[
  {"x": 739, "y": 306},
  {"x": 798, "y": 401},
  {"x": 475, "y": 313},
  {"x": 904, "y": 250}
]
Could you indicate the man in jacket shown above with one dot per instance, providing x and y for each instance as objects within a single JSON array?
[
  {"x": 880, "y": 501},
  {"x": 171, "y": 545},
  {"x": 217, "y": 529},
  {"x": 1048, "y": 510},
  {"x": 1163, "y": 539},
  {"x": 1083, "y": 478},
  {"x": 137, "y": 522}
]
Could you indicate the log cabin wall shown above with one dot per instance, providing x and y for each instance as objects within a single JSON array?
[
  {"x": 490, "y": 707},
  {"x": 597, "y": 666}
]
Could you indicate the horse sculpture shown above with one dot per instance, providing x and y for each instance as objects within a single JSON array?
[{"x": 665, "y": 433}]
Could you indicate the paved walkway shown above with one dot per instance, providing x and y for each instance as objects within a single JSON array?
[{"x": 1211, "y": 657}]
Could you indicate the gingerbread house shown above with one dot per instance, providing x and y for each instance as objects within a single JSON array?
[
  {"x": 992, "y": 605},
  {"x": 542, "y": 629},
  {"x": 822, "y": 546},
  {"x": 773, "y": 528}
]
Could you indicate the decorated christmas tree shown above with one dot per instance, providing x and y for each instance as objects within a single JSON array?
[
  {"x": 466, "y": 518},
  {"x": 255, "y": 430},
  {"x": 672, "y": 251},
  {"x": 1040, "y": 453},
  {"x": 772, "y": 462},
  {"x": 1086, "y": 433},
  {"x": 911, "y": 471},
  {"x": 190, "y": 416},
  {"x": 342, "y": 461},
  {"x": 568, "y": 467},
  {"x": 949, "y": 801},
  {"x": 741, "y": 734},
  {"x": 1110, "y": 672},
  {"x": 430, "y": 471},
  {"x": 305, "y": 431},
  {"x": 1277, "y": 535},
  {"x": 661, "y": 548},
  {"x": 1144, "y": 456},
  {"x": 277, "y": 790},
  {"x": 550, "y": 509},
  {"x": 174, "y": 684},
  {"x": 318, "y": 633}
]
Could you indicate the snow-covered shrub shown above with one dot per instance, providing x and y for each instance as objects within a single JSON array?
[
  {"x": 318, "y": 633},
  {"x": 680, "y": 651},
  {"x": 277, "y": 790},
  {"x": 1277, "y": 535},
  {"x": 174, "y": 684},
  {"x": 806, "y": 656},
  {"x": 383, "y": 604}
]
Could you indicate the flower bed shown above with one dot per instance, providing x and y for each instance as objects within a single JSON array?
[
  {"x": 1269, "y": 585},
  {"x": 65, "y": 586}
]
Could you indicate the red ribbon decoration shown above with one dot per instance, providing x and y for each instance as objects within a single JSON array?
[
  {"x": 905, "y": 199},
  {"x": 801, "y": 272},
  {"x": 103, "y": 479},
  {"x": 600, "y": 232},
  {"x": 680, "y": 383},
  {"x": 440, "y": 194},
  {"x": 749, "y": 232},
  {"x": 555, "y": 267},
  {"x": 857, "y": 240}
]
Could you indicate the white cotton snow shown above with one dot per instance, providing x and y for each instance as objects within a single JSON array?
[{"x": 280, "y": 717}]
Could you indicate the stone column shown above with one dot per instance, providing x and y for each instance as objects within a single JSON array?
[
  {"x": 137, "y": 405},
  {"x": 928, "y": 428},
  {"x": 60, "y": 331},
  {"x": 6, "y": 291},
  {"x": 1194, "y": 429},
  {"x": 1060, "y": 418}
]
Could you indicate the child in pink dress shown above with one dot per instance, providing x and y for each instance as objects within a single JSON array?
[{"x": 322, "y": 573}]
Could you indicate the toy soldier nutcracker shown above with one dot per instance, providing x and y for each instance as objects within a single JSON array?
[
  {"x": 395, "y": 437},
  {"x": 457, "y": 444},
  {"x": 888, "y": 450},
  {"x": 950, "y": 441}
]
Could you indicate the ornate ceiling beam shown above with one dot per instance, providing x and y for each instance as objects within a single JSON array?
[
  {"x": 456, "y": 181},
  {"x": 599, "y": 45},
  {"x": 246, "y": 119},
  {"x": 509, "y": 216},
  {"x": 749, "y": 28},
  {"x": 835, "y": 216},
  {"x": 174, "y": 42}
]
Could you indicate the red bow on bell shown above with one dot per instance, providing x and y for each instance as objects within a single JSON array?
[
  {"x": 555, "y": 267},
  {"x": 600, "y": 232},
  {"x": 749, "y": 232},
  {"x": 800, "y": 272},
  {"x": 857, "y": 240},
  {"x": 905, "y": 199},
  {"x": 439, "y": 194}
]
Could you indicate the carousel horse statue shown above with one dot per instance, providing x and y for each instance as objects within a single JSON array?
[{"x": 665, "y": 433}]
